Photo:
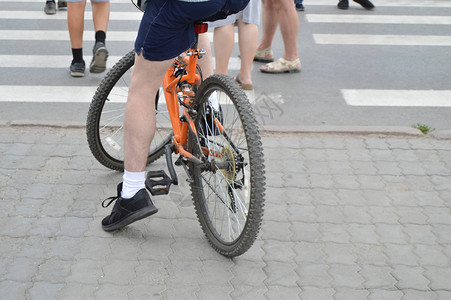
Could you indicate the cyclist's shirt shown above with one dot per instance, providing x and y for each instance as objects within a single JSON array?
[{"x": 167, "y": 27}]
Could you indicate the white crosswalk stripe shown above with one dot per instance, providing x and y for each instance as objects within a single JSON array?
[
  {"x": 390, "y": 3},
  {"x": 62, "y": 15},
  {"x": 61, "y": 94},
  {"x": 414, "y": 98},
  {"x": 375, "y": 39},
  {"x": 35, "y": 93},
  {"x": 43, "y": 61},
  {"x": 352, "y": 97},
  {"x": 387, "y": 97},
  {"x": 39, "y": 1},
  {"x": 379, "y": 19},
  {"x": 45, "y": 93},
  {"x": 62, "y": 61},
  {"x": 62, "y": 35},
  {"x": 379, "y": 3}
]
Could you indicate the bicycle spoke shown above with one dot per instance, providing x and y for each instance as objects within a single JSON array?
[
  {"x": 106, "y": 117},
  {"x": 111, "y": 121},
  {"x": 222, "y": 185}
]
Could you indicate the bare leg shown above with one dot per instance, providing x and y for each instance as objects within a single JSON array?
[
  {"x": 206, "y": 62},
  {"x": 139, "y": 121},
  {"x": 289, "y": 27},
  {"x": 75, "y": 23},
  {"x": 224, "y": 41},
  {"x": 247, "y": 39},
  {"x": 269, "y": 24},
  {"x": 100, "y": 15},
  {"x": 133, "y": 203}
]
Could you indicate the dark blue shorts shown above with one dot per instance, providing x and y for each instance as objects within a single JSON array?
[{"x": 167, "y": 27}]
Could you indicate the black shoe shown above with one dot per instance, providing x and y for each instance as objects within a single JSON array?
[
  {"x": 50, "y": 8},
  {"x": 127, "y": 211},
  {"x": 77, "y": 69},
  {"x": 343, "y": 4},
  {"x": 365, "y": 3},
  {"x": 100, "y": 55},
  {"x": 62, "y": 4},
  {"x": 299, "y": 7}
]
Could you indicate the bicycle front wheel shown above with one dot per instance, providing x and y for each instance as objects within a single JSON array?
[
  {"x": 104, "y": 126},
  {"x": 229, "y": 188}
]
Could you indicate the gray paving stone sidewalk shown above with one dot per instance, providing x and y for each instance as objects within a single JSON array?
[{"x": 347, "y": 217}]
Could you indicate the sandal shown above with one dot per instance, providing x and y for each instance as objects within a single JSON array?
[
  {"x": 244, "y": 86},
  {"x": 265, "y": 55},
  {"x": 282, "y": 66}
]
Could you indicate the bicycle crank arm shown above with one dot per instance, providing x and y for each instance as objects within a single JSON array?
[
  {"x": 168, "y": 151},
  {"x": 158, "y": 182}
]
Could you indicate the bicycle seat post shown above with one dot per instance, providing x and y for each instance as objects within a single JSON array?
[{"x": 194, "y": 53}]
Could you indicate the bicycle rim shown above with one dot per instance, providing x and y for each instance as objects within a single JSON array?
[
  {"x": 106, "y": 117},
  {"x": 229, "y": 194}
]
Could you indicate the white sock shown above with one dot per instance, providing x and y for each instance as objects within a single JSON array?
[
  {"x": 133, "y": 182},
  {"x": 213, "y": 99}
]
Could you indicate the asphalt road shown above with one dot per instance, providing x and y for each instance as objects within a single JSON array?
[{"x": 386, "y": 67}]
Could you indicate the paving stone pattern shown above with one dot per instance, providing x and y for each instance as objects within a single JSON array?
[{"x": 347, "y": 217}]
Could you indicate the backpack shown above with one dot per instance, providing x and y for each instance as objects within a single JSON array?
[{"x": 230, "y": 7}]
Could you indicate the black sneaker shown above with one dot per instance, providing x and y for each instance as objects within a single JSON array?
[
  {"x": 77, "y": 69},
  {"x": 127, "y": 211},
  {"x": 299, "y": 7},
  {"x": 62, "y": 4},
  {"x": 365, "y": 3},
  {"x": 343, "y": 4},
  {"x": 50, "y": 8},
  {"x": 100, "y": 55}
]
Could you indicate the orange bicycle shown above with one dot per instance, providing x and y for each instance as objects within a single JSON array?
[{"x": 211, "y": 126}]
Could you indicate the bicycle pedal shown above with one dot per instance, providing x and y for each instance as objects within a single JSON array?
[{"x": 158, "y": 182}]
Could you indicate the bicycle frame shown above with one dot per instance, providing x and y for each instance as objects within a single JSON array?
[
  {"x": 172, "y": 92},
  {"x": 214, "y": 134}
]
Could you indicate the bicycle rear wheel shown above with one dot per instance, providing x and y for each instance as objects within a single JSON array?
[
  {"x": 229, "y": 188},
  {"x": 104, "y": 125}
]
